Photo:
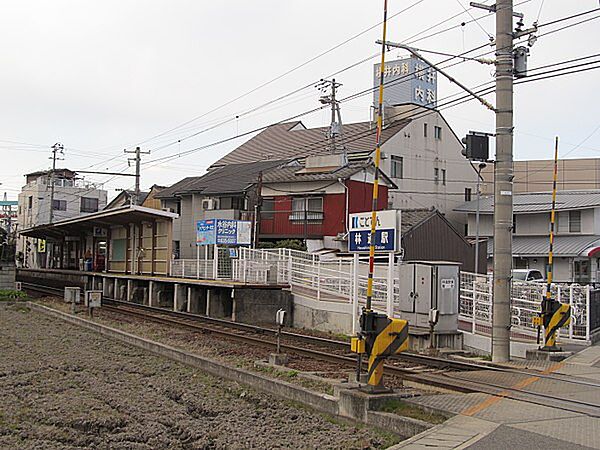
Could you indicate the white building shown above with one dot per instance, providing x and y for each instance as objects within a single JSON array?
[
  {"x": 577, "y": 240},
  {"x": 420, "y": 153},
  {"x": 72, "y": 197}
]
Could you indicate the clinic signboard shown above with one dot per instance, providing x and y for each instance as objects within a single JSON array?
[
  {"x": 408, "y": 80},
  {"x": 223, "y": 232},
  {"x": 387, "y": 234}
]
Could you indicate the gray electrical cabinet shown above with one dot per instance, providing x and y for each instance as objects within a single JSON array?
[{"x": 427, "y": 285}]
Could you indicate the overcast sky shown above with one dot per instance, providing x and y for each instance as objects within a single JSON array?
[{"x": 100, "y": 76}]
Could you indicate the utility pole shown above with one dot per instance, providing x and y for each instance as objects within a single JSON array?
[
  {"x": 138, "y": 158},
  {"x": 481, "y": 167},
  {"x": 257, "y": 209},
  {"x": 503, "y": 183},
  {"x": 56, "y": 148},
  {"x": 335, "y": 128}
]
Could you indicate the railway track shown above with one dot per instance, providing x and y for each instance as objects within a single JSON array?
[{"x": 428, "y": 370}]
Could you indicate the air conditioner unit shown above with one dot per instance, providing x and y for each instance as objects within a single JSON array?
[{"x": 209, "y": 203}]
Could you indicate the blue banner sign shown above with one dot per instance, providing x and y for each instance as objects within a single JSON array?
[
  {"x": 223, "y": 232},
  {"x": 226, "y": 232},
  {"x": 206, "y": 232}
]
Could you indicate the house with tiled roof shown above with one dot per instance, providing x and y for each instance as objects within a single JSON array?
[{"x": 420, "y": 153}]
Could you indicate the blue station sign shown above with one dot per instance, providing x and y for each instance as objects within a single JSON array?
[{"x": 386, "y": 232}]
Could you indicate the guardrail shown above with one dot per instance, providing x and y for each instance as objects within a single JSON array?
[
  {"x": 345, "y": 281},
  {"x": 475, "y": 306}
]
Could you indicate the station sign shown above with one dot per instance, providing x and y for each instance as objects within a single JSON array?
[
  {"x": 223, "y": 232},
  {"x": 387, "y": 232}
]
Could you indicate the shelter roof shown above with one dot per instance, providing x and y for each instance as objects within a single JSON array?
[{"x": 105, "y": 218}]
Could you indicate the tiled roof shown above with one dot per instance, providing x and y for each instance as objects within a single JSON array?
[
  {"x": 539, "y": 202},
  {"x": 230, "y": 179},
  {"x": 525, "y": 246},
  {"x": 291, "y": 140}
]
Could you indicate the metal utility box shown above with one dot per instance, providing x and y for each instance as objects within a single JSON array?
[
  {"x": 73, "y": 295},
  {"x": 430, "y": 285},
  {"x": 93, "y": 299}
]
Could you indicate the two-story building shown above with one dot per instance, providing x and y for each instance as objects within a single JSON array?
[
  {"x": 309, "y": 201},
  {"x": 420, "y": 153},
  {"x": 227, "y": 192},
  {"x": 72, "y": 196},
  {"x": 576, "y": 248}
]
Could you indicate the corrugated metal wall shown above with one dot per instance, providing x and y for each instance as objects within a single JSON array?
[{"x": 435, "y": 240}]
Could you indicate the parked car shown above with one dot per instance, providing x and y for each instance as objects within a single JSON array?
[{"x": 528, "y": 275}]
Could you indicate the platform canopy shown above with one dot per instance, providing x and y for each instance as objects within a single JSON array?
[{"x": 107, "y": 218}]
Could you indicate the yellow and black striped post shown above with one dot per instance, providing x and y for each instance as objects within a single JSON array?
[
  {"x": 554, "y": 314},
  {"x": 379, "y": 336},
  {"x": 376, "y": 164}
]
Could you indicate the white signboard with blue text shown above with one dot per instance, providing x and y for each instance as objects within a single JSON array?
[
  {"x": 387, "y": 233},
  {"x": 223, "y": 232},
  {"x": 409, "y": 80}
]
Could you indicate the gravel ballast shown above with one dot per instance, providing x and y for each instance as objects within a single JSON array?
[{"x": 65, "y": 387}]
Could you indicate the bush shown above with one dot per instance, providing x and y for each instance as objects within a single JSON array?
[{"x": 10, "y": 294}]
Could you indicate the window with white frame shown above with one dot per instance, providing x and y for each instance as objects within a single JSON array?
[
  {"x": 89, "y": 204},
  {"x": 574, "y": 221},
  {"x": 397, "y": 167},
  {"x": 437, "y": 132},
  {"x": 307, "y": 208},
  {"x": 59, "y": 205},
  {"x": 267, "y": 208},
  {"x": 436, "y": 175}
]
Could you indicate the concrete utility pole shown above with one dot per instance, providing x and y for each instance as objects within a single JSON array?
[
  {"x": 503, "y": 183},
  {"x": 56, "y": 148},
  {"x": 335, "y": 129},
  {"x": 138, "y": 159}
]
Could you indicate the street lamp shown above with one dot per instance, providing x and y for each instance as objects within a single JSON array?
[{"x": 481, "y": 167}]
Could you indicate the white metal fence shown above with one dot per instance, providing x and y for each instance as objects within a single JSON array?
[
  {"x": 345, "y": 280},
  {"x": 475, "y": 306}
]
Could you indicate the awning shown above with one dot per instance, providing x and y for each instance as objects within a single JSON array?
[
  {"x": 104, "y": 219},
  {"x": 564, "y": 246}
]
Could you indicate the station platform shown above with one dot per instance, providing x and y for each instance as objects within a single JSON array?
[{"x": 485, "y": 421}]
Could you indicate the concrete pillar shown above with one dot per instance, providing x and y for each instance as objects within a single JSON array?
[
  {"x": 233, "y": 305},
  {"x": 153, "y": 293},
  {"x": 106, "y": 288},
  {"x": 129, "y": 290},
  {"x": 208, "y": 299},
  {"x": 179, "y": 297},
  {"x": 189, "y": 299}
]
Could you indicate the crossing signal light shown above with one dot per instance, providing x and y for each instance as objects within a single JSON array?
[{"x": 477, "y": 146}]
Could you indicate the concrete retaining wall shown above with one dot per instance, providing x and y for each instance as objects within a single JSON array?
[
  {"x": 328, "y": 404},
  {"x": 260, "y": 305},
  {"x": 321, "y": 315},
  {"x": 7, "y": 276},
  {"x": 54, "y": 278},
  {"x": 321, "y": 402}
]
